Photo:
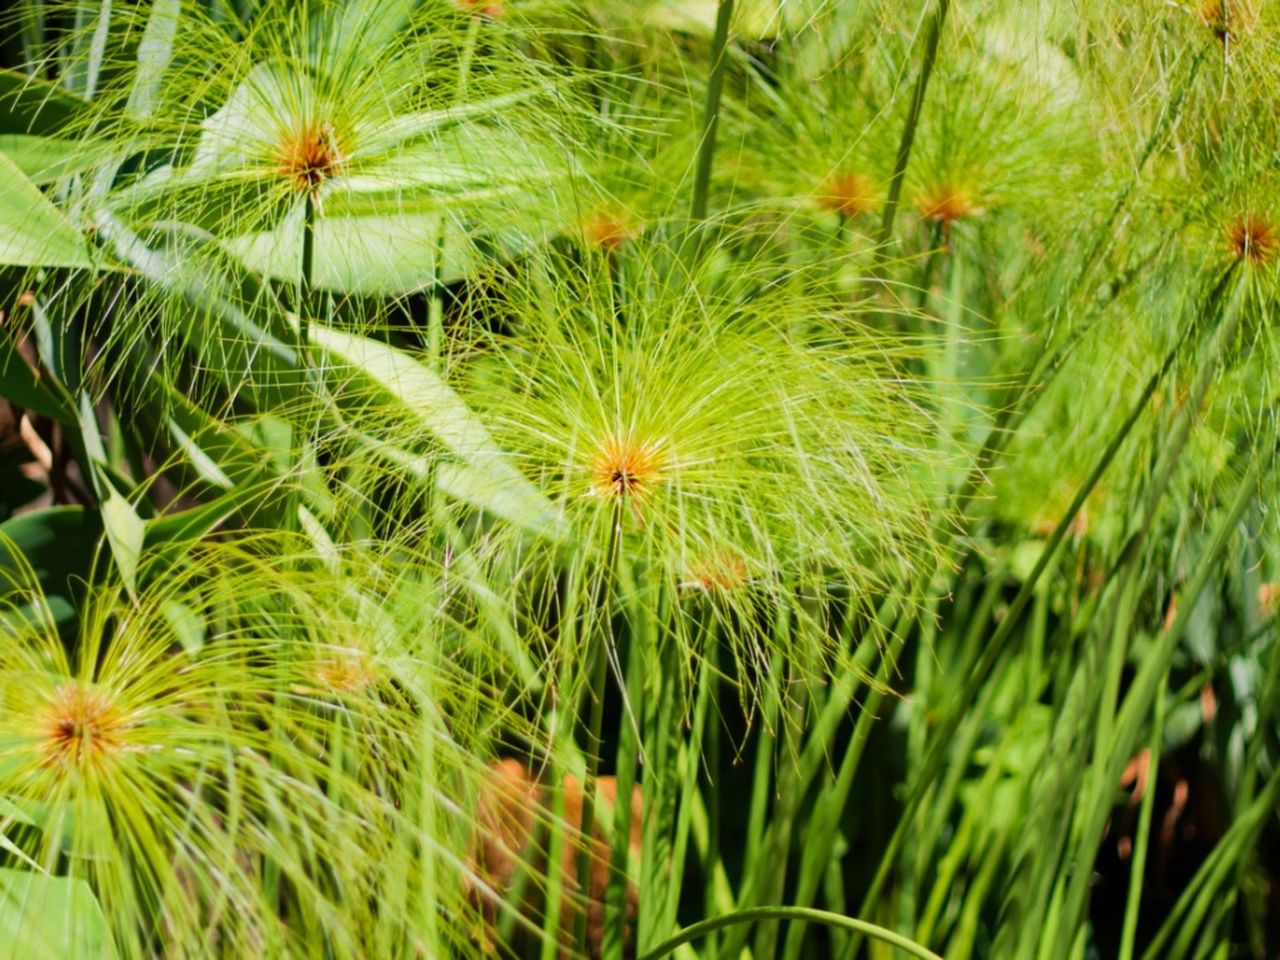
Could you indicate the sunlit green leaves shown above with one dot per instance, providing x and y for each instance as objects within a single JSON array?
[
  {"x": 487, "y": 477},
  {"x": 33, "y": 232},
  {"x": 51, "y": 918}
]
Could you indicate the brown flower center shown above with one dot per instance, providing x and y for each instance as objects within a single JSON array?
[
  {"x": 309, "y": 156},
  {"x": 348, "y": 671},
  {"x": 81, "y": 727},
  {"x": 487, "y": 8},
  {"x": 1227, "y": 18},
  {"x": 607, "y": 230},
  {"x": 1253, "y": 239}
]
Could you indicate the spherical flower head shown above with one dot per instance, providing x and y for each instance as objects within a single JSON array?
[
  {"x": 171, "y": 775},
  {"x": 358, "y": 107}
]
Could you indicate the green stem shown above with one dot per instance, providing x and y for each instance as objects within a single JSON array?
[
  {"x": 599, "y": 677},
  {"x": 1138, "y": 866},
  {"x": 799, "y": 914},
  {"x": 903, "y": 157},
  {"x": 628, "y": 755},
  {"x": 306, "y": 277},
  {"x": 711, "y": 113},
  {"x": 662, "y": 736},
  {"x": 712, "y": 856},
  {"x": 689, "y": 762},
  {"x": 563, "y": 723},
  {"x": 1140, "y": 695},
  {"x": 942, "y": 737}
]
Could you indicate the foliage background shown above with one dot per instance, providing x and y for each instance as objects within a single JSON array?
[{"x": 846, "y": 427}]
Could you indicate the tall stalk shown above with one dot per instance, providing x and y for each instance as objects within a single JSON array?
[
  {"x": 306, "y": 275},
  {"x": 599, "y": 677},
  {"x": 711, "y": 114},
  {"x": 1138, "y": 700},
  {"x": 1138, "y": 867},
  {"x": 995, "y": 646},
  {"x": 903, "y": 156}
]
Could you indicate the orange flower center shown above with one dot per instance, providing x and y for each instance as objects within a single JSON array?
[
  {"x": 309, "y": 156},
  {"x": 607, "y": 230},
  {"x": 488, "y": 8},
  {"x": 627, "y": 468},
  {"x": 848, "y": 194},
  {"x": 1227, "y": 19},
  {"x": 719, "y": 571},
  {"x": 946, "y": 205},
  {"x": 81, "y": 727},
  {"x": 348, "y": 671}
]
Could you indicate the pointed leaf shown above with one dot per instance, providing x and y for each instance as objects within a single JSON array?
[
  {"x": 125, "y": 534},
  {"x": 45, "y": 159},
  {"x": 491, "y": 481},
  {"x": 33, "y": 232}
]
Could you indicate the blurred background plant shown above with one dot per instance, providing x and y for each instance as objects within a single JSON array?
[{"x": 769, "y": 478}]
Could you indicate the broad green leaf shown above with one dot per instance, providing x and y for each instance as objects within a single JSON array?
[
  {"x": 497, "y": 495},
  {"x": 31, "y": 105},
  {"x": 219, "y": 455},
  {"x": 177, "y": 528},
  {"x": 378, "y": 255},
  {"x": 45, "y": 159},
  {"x": 490, "y": 481},
  {"x": 11, "y": 811},
  {"x": 319, "y": 537},
  {"x": 232, "y": 317},
  {"x": 51, "y": 918},
  {"x": 124, "y": 528},
  {"x": 33, "y": 232},
  {"x": 187, "y": 625}
]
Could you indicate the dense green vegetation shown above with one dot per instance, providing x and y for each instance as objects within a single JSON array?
[{"x": 639, "y": 478}]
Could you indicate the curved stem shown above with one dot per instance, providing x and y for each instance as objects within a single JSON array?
[{"x": 801, "y": 914}]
